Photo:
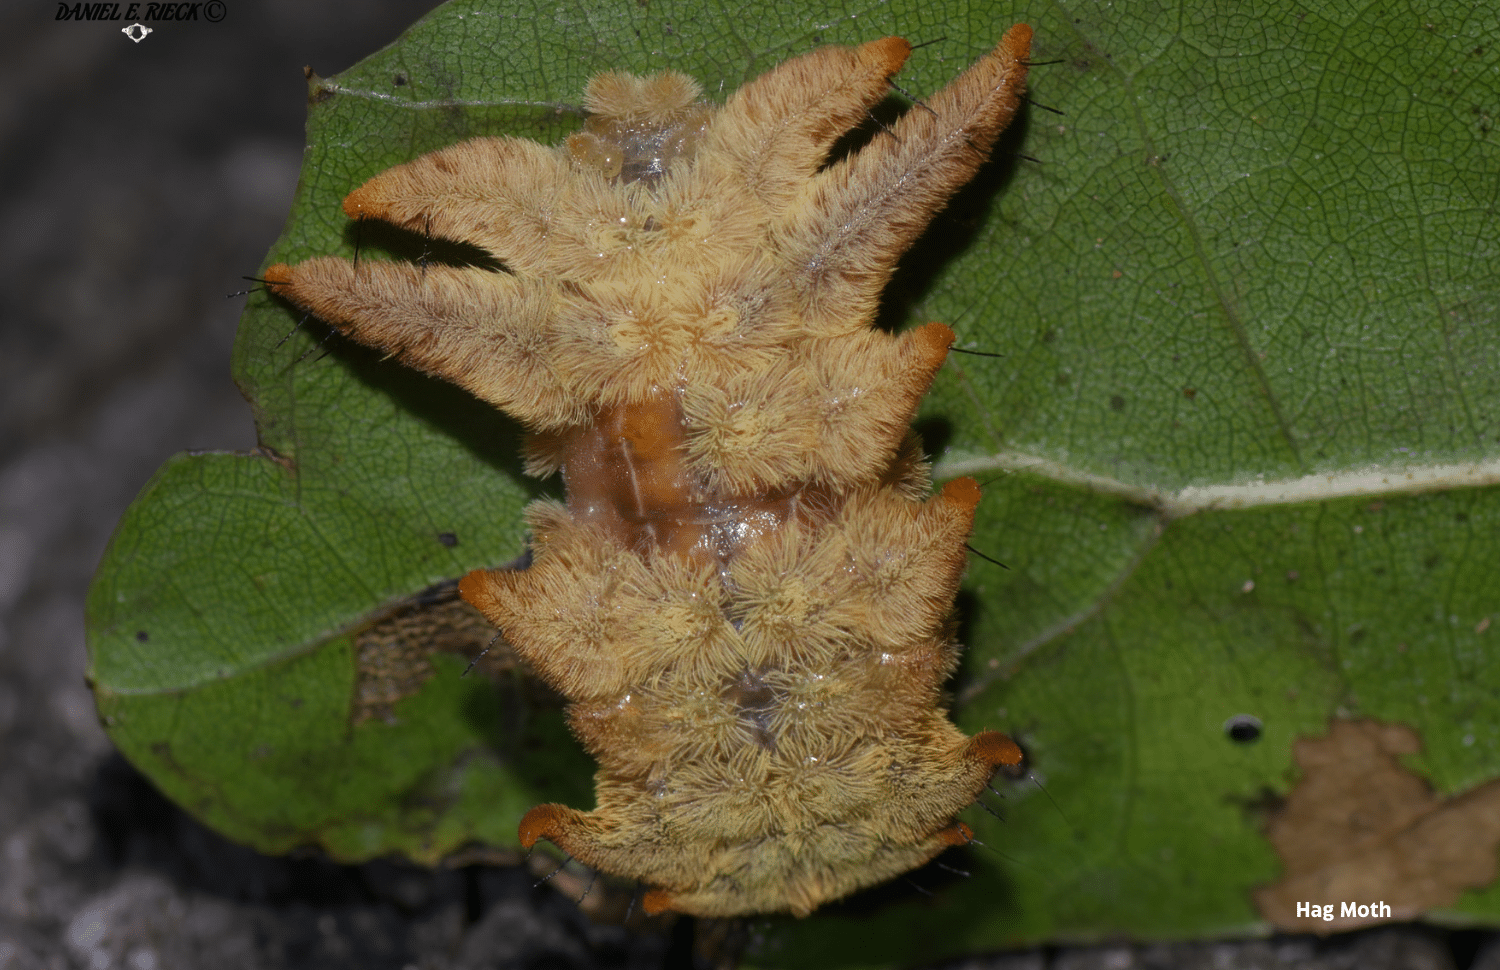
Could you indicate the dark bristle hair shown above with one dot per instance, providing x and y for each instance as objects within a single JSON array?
[{"x": 986, "y": 558}]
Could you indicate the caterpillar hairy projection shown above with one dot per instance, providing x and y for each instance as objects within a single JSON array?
[{"x": 748, "y": 596}]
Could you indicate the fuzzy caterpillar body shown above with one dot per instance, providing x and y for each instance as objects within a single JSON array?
[{"x": 747, "y": 597}]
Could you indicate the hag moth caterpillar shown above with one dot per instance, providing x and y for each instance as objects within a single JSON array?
[{"x": 748, "y": 595}]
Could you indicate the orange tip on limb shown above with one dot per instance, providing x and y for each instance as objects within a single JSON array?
[
  {"x": 476, "y": 588},
  {"x": 1017, "y": 41},
  {"x": 472, "y": 585},
  {"x": 935, "y": 339},
  {"x": 994, "y": 748},
  {"x": 656, "y": 902},
  {"x": 956, "y": 834},
  {"x": 543, "y": 822},
  {"x": 361, "y": 204},
  {"x": 889, "y": 52},
  {"x": 962, "y": 491}
]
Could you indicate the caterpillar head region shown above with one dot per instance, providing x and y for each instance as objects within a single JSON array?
[{"x": 747, "y": 597}]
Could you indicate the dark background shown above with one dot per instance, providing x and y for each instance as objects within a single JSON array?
[{"x": 138, "y": 182}]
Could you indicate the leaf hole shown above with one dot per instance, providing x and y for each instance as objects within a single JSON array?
[{"x": 1243, "y": 729}]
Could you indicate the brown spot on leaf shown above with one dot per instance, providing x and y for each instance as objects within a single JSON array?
[
  {"x": 1360, "y": 828},
  {"x": 393, "y": 653}
]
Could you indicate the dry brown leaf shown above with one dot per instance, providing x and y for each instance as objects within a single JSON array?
[
  {"x": 1361, "y": 829},
  {"x": 393, "y": 654}
]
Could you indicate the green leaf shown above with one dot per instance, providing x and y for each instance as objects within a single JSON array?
[{"x": 1241, "y": 456}]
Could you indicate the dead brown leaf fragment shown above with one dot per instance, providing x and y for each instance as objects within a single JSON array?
[
  {"x": 1361, "y": 829},
  {"x": 392, "y": 655}
]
